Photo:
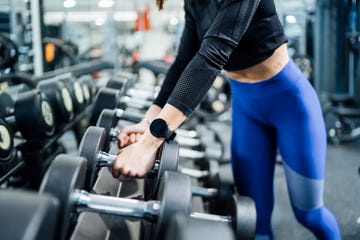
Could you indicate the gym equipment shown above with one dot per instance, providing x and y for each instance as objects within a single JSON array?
[
  {"x": 6, "y": 142},
  {"x": 65, "y": 178},
  {"x": 108, "y": 98},
  {"x": 183, "y": 227},
  {"x": 91, "y": 146},
  {"x": 9, "y": 52},
  {"x": 76, "y": 91},
  {"x": 27, "y": 215},
  {"x": 109, "y": 118},
  {"x": 31, "y": 114},
  {"x": 60, "y": 98}
]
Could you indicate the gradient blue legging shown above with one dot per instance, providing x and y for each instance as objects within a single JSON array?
[{"x": 283, "y": 113}]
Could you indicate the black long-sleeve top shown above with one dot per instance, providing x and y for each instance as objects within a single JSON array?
[{"x": 218, "y": 34}]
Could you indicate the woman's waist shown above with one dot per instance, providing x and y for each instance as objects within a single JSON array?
[{"x": 263, "y": 70}]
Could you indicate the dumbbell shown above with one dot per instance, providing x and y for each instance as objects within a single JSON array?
[
  {"x": 60, "y": 98},
  {"x": 88, "y": 86},
  {"x": 108, "y": 98},
  {"x": 31, "y": 114},
  {"x": 91, "y": 146},
  {"x": 6, "y": 142},
  {"x": 76, "y": 91},
  {"x": 65, "y": 178},
  {"x": 27, "y": 215},
  {"x": 133, "y": 89},
  {"x": 109, "y": 118}
]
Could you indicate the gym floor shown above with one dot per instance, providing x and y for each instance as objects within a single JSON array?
[{"x": 341, "y": 196}]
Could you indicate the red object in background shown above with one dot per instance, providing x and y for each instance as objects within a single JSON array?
[{"x": 142, "y": 22}]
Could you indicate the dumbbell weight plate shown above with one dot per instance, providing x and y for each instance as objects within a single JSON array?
[
  {"x": 107, "y": 120},
  {"x": 175, "y": 196},
  {"x": 34, "y": 115},
  {"x": 65, "y": 175},
  {"x": 106, "y": 98},
  {"x": 6, "y": 141},
  {"x": 168, "y": 156},
  {"x": 169, "y": 161},
  {"x": 243, "y": 216},
  {"x": 91, "y": 144},
  {"x": 60, "y": 98}
]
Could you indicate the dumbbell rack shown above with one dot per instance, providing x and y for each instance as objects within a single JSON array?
[{"x": 94, "y": 226}]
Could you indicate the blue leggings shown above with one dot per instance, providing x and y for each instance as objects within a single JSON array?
[{"x": 283, "y": 113}]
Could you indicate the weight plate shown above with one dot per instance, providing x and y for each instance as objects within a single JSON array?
[
  {"x": 107, "y": 120},
  {"x": 86, "y": 93},
  {"x": 64, "y": 176},
  {"x": 76, "y": 93},
  {"x": 175, "y": 196},
  {"x": 79, "y": 96},
  {"x": 243, "y": 216},
  {"x": 91, "y": 144},
  {"x": 59, "y": 98},
  {"x": 106, "y": 98},
  {"x": 34, "y": 115},
  {"x": 168, "y": 157},
  {"x": 9, "y": 52},
  {"x": 183, "y": 227},
  {"x": 47, "y": 113},
  {"x": 6, "y": 103},
  {"x": 6, "y": 141},
  {"x": 66, "y": 97}
]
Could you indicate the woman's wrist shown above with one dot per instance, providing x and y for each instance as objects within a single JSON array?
[{"x": 150, "y": 140}]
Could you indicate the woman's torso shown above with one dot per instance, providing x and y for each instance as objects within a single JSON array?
[{"x": 255, "y": 57}]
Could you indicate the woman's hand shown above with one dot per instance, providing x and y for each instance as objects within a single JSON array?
[
  {"x": 132, "y": 133},
  {"x": 136, "y": 160}
]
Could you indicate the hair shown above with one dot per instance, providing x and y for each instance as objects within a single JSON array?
[{"x": 160, "y": 4}]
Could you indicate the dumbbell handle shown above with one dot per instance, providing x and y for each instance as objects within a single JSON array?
[
  {"x": 131, "y": 208},
  {"x": 204, "y": 192},
  {"x": 105, "y": 159},
  {"x": 125, "y": 207},
  {"x": 194, "y": 173},
  {"x": 211, "y": 217},
  {"x": 128, "y": 116}
]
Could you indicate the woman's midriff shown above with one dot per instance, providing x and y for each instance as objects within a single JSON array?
[{"x": 265, "y": 69}]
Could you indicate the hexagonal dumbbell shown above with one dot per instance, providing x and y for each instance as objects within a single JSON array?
[
  {"x": 91, "y": 147},
  {"x": 108, "y": 98},
  {"x": 65, "y": 178},
  {"x": 60, "y": 98},
  {"x": 31, "y": 114}
]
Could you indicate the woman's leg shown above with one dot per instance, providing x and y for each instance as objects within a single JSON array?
[
  {"x": 253, "y": 151},
  {"x": 302, "y": 143}
]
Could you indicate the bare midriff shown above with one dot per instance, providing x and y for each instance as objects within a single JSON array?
[{"x": 265, "y": 69}]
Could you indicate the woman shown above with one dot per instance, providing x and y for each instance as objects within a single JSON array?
[{"x": 274, "y": 107}]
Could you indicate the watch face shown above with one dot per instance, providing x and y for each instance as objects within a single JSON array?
[{"x": 158, "y": 128}]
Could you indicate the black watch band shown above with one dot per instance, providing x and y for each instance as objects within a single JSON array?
[{"x": 160, "y": 129}]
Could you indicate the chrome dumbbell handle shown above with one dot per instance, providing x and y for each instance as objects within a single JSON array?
[
  {"x": 125, "y": 207},
  {"x": 211, "y": 217}
]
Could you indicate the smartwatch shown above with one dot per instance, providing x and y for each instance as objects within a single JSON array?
[{"x": 160, "y": 129}]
